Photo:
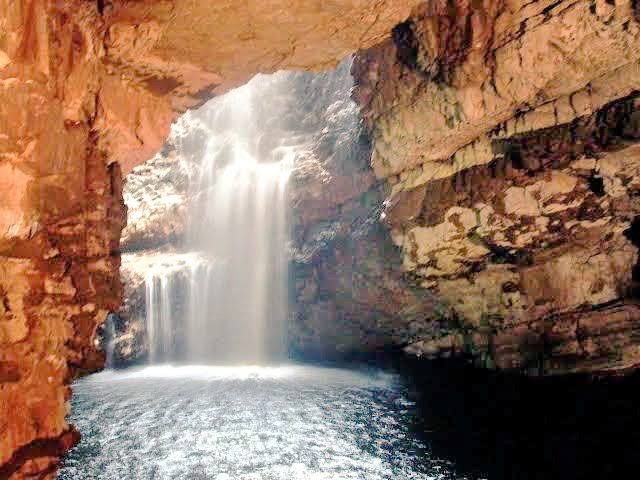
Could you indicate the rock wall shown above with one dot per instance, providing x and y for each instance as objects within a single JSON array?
[
  {"x": 349, "y": 294},
  {"x": 88, "y": 90},
  {"x": 525, "y": 66},
  {"x": 506, "y": 132},
  {"x": 155, "y": 194},
  {"x": 60, "y": 221}
]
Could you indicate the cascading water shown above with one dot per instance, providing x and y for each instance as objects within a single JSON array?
[
  {"x": 235, "y": 289},
  {"x": 159, "y": 316},
  {"x": 109, "y": 340}
]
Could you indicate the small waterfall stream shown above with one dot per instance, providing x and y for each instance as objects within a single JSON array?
[
  {"x": 235, "y": 289},
  {"x": 109, "y": 340},
  {"x": 159, "y": 316}
]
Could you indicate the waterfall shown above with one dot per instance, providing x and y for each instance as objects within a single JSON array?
[
  {"x": 224, "y": 300},
  {"x": 234, "y": 289},
  {"x": 109, "y": 340},
  {"x": 158, "y": 297},
  {"x": 152, "y": 316}
]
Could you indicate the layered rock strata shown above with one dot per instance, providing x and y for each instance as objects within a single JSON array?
[
  {"x": 459, "y": 76},
  {"x": 506, "y": 132},
  {"x": 87, "y": 90}
]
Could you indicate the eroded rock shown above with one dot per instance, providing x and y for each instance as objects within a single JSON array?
[
  {"x": 515, "y": 66},
  {"x": 509, "y": 153},
  {"x": 543, "y": 231}
]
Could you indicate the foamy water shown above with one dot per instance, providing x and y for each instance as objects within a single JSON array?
[{"x": 246, "y": 422}]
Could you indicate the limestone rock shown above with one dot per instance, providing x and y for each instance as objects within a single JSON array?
[
  {"x": 507, "y": 134},
  {"x": 155, "y": 194},
  {"x": 435, "y": 102},
  {"x": 546, "y": 231}
]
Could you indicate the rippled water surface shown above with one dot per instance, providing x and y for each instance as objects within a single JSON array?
[{"x": 236, "y": 423}]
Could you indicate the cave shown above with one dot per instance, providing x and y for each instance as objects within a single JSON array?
[{"x": 294, "y": 240}]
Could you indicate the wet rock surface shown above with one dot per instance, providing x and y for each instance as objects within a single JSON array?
[{"x": 349, "y": 294}]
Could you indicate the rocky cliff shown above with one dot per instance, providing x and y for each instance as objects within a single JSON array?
[
  {"x": 88, "y": 90},
  {"x": 349, "y": 292},
  {"x": 507, "y": 132}
]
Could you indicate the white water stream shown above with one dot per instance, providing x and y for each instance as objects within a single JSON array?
[{"x": 235, "y": 289}]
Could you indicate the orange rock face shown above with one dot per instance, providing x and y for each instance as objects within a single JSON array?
[{"x": 88, "y": 90}]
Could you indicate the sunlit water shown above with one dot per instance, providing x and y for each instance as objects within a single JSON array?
[{"x": 253, "y": 423}]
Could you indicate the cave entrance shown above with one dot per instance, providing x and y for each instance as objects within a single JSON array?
[{"x": 199, "y": 381}]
